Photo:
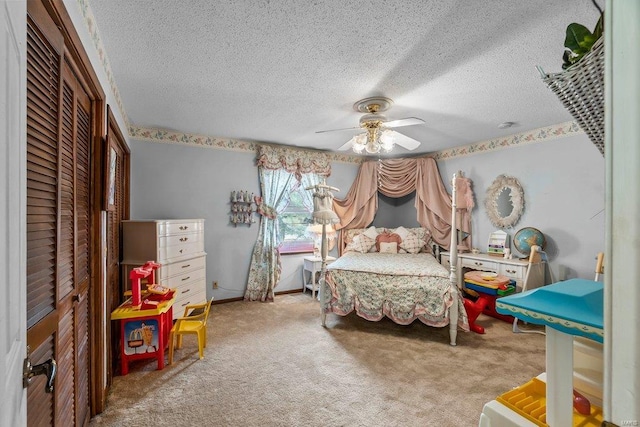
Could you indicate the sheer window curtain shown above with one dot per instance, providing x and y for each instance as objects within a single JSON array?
[
  {"x": 279, "y": 169},
  {"x": 264, "y": 274},
  {"x": 309, "y": 180}
]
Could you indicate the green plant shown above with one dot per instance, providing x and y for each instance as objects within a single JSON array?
[{"x": 579, "y": 40}]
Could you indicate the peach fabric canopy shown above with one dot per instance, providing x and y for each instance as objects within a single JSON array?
[{"x": 398, "y": 178}]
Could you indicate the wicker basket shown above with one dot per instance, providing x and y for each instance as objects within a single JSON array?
[{"x": 581, "y": 90}]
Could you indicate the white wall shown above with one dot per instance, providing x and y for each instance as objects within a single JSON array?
[{"x": 177, "y": 181}]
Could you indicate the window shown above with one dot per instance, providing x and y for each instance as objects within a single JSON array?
[{"x": 293, "y": 223}]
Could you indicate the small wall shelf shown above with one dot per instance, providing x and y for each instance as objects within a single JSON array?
[{"x": 242, "y": 208}]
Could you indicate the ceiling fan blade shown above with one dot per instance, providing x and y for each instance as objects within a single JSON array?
[
  {"x": 348, "y": 145},
  {"x": 409, "y": 121},
  {"x": 405, "y": 141},
  {"x": 337, "y": 130}
]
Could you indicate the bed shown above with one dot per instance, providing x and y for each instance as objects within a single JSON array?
[
  {"x": 376, "y": 282},
  {"x": 392, "y": 272}
]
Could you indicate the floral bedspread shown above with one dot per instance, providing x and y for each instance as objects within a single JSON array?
[{"x": 403, "y": 287}]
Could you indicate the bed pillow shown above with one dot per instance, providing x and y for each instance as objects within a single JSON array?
[
  {"x": 361, "y": 243},
  {"x": 425, "y": 235},
  {"x": 388, "y": 247},
  {"x": 410, "y": 241},
  {"x": 387, "y": 238},
  {"x": 371, "y": 232}
]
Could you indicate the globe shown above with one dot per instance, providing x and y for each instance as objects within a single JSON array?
[{"x": 527, "y": 237}]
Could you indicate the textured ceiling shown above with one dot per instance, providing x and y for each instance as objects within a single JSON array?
[{"x": 280, "y": 70}]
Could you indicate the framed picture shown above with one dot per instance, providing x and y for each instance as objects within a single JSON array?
[{"x": 111, "y": 163}]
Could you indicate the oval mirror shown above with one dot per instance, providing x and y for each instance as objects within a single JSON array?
[
  {"x": 505, "y": 207},
  {"x": 504, "y": 201}
]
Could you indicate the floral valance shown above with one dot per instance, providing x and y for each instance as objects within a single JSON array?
[{"x": 295, "y": 161}]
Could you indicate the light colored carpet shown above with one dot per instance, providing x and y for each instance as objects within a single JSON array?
[{"x": 273, "y": 364}]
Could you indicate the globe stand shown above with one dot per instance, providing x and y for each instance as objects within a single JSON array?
[{"x": 536, "y": 258}]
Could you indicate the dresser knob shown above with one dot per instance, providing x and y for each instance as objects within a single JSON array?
[{"x": 184, "y": 239}]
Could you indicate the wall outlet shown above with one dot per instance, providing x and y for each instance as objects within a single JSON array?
[{"x": 215, "y": 285}]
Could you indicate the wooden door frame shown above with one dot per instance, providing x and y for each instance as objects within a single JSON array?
[
  {"x": 120, "y": 142},
  {"x": 97, "y": 316}
]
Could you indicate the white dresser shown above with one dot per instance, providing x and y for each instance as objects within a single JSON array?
[
  {"x": 176, "y": 244},
  {"x": 515, "y": 269}
]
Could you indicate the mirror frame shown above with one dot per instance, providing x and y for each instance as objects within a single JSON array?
[{"x": 501, "y": 183}]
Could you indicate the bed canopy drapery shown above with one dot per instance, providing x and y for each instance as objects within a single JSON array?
[{"x": 397, "y": 178}]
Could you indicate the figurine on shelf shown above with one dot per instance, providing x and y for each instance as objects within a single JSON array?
[{"x": 234, "y": 198}]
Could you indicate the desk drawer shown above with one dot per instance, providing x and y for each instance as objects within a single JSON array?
[
  {"x": 477, "y": 264},
  {"x": 446, "y": 262},
  {"x": 514, "y": 272}
]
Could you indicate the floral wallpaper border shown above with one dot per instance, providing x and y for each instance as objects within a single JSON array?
[
  {"x": 533, "y": 136},
  {"x": 172, "y": 137}
]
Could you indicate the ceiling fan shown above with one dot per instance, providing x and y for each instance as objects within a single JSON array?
[{"x": 378, "y": 134}]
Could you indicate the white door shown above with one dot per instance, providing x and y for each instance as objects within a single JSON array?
[{"x": 13, "y": 294}]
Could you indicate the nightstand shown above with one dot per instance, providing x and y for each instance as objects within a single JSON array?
[{"x": 311, "y": 273}]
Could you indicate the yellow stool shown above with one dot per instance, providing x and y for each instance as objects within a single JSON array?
[{"x": 194, "y": 321}]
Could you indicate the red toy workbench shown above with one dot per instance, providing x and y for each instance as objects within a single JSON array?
[
  {"x": 144, "y": 324},
  {"x": 144, "y": 334}
]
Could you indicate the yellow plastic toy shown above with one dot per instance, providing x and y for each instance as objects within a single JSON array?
[{"x": 194, "y": 321}]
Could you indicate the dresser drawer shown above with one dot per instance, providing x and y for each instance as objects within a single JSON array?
[
  {"x": 183, "y": 279},
  {"x": 173, "y": 247},
  {"x": 180, "y": 267},
  {"x": 477, "y": 264},
  {"x": 194, "y": 297},
  {"x": 180, "y": 239},
  {"x": 168, "y": 228}
]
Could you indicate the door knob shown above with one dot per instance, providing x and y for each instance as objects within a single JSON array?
[{"x": 48, "y": 368}]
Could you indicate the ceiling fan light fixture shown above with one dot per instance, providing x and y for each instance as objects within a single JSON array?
[
  {"x": 374, "y": 140},
  {"x": 359, "y": 143},
  {"x": 377, "y": 135},
  {"x": 386, "y": 140},
  {"x": 372, "y": 147}
]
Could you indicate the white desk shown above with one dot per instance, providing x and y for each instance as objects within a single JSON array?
[{"x": 515, "y": 269}]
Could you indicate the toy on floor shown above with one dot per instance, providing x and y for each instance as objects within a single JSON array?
[
  {"x": 474, "y": 305},
  {"x": 489, "y": 286}
]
